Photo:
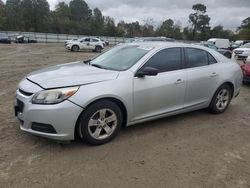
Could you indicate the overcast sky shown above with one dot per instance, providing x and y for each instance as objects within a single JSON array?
[{"x": 228, "y": 13}]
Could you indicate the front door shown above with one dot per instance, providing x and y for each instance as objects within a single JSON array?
[{"x": 163, "y": 93}]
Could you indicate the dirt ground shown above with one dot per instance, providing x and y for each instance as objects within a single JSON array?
[{"x": 196, "y": 149}]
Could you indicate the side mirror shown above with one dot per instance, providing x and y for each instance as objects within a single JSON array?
[{"x": 147, "y": 71}]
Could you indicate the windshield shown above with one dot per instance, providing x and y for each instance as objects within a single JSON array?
[
  {"x": 120, "y": 58},
  {"x": 238, "y": 42},
  {"x": 247, "y": 45}
]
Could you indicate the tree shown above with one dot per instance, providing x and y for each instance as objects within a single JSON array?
[
  {"x": 244, "y": 29},
  {"x": 97, "y": 22},
  {"x": 187, "y": 33},
  {"x": 198, "y": 19},
  {"x": 110, "y": 29},
  {"x": 27, "y": 12},
  {"x": 79, "y": 10},
  {"x": 34, "y": 14},
  {"x": 2, "y": 15},
  {"x": 177, "y": 32},
  {"x": 166, "y": 29},
  {"x": 13, "y": 14},
  {"x": 60, "y": 19}
]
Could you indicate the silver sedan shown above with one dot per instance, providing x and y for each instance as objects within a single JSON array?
[{"x": 129, "y": 84}]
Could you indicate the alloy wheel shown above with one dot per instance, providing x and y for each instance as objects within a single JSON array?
[{"x": 102, "y": 123}]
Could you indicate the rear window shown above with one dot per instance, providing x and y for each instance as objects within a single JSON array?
[{"x": 211, "y": 59}]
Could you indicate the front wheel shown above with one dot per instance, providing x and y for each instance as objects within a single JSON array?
[
  {"x": 221, "y": 99},
  {"x": 75, "y": 48},
  {"x": 100, "y": 122},
  {"x": 98, "y": 49}
]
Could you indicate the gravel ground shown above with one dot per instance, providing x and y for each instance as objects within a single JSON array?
[{"x": 196, "y": 149}]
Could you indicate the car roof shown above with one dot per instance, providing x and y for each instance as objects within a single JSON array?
[{"x": 165, "y": 44}]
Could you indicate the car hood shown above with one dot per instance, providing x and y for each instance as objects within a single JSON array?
[{"x": 70, "y": 74}]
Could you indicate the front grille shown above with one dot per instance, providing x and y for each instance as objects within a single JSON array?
[
  {"x": 25, "y": 93},
  {"x": 41, "y": 127},
  {"x": 238, "y": 52}
]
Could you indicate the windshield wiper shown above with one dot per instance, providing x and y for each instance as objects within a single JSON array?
[
  {"x": 87, "y": 61},
  {"x": 98, "y": 66}
]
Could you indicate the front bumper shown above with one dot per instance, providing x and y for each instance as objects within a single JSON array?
[
  {"x": 68, "y": 47},
  {"x": 62, "y": 117}
]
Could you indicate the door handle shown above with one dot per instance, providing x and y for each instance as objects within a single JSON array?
[
  {"x": 214, "y": 74},
  {"x": 179, "y": 81}
]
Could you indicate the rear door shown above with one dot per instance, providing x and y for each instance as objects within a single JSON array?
[
  {"x": 93, "y": 43},
  {"x": 202, "y": 77},
  {"x": 84, "y": 44},
  {"x": 156, "y": 95}
]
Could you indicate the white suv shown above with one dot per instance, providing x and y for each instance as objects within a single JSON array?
[{"x": 86, "y": 43}]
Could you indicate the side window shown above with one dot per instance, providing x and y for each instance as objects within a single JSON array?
[
  {"x": 166, "y": 60},
  {"x": 211, "y": 59},
  {"x": 196, "y": 57},
  {"x": 87, "y": 40},
  {"x": 94, "y": 40}
]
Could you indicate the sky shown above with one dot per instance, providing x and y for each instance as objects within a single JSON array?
[{"x": 228, "y": 13}]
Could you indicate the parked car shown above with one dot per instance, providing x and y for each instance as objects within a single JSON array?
[
  {"x": 24, "y": 39},
  {"x": 155, "y": 39},
  {"x": 32, "y": 39},
  {"x": 242, "y": 52},
  {"x": 220, "y": 43},
  {"x": 225, "y": 52},
  {"x": 246, "y": 70},
  {"x": 238, "y": 43},
  {"x": 4, "y": 38},
  {"x": 86, "y": 43},
  {"x": 129, "y": 84}
]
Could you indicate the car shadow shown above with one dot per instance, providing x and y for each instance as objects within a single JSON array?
[{"x": 171, "y": 122}]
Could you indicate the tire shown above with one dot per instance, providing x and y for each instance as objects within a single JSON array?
[
  {"x": 221, "y": 99},
  {"x": 100, "y": 122},
  {"x": 228, "y": 55},
  {"x": 75, "y": 48},
  {"x": 98, "y": 49}
]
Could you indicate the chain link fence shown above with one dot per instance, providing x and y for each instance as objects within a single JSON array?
[{"x": 59, "y": 38}]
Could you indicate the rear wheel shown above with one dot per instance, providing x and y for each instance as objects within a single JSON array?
[
  {"x": 98, "y": 49},
  {"x": 75, "y": 48},
  {"x": 221, "y": 99},
  {"x": 100, "y": 123}
]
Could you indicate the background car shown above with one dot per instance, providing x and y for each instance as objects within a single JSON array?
[
  {"x": 220, "y": 42},
  {"x": 242, "y": 52},
  {"x": 225, "y": 52},
  {"x": 246, "y": 70},
  {"x": 238, "y": 43},
  {"x": 86, "y": 43},
  {"x": 154, "y": 39},
  {"x": 24, "y": 39},
  {"x": 4, "y": 38},
  {"x": 129, "y": 84}
]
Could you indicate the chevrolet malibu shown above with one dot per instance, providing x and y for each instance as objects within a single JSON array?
[{"x": 129, "y": 84}]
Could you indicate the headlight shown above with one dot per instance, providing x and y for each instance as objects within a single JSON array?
[{"x": 53, "y": 96}]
